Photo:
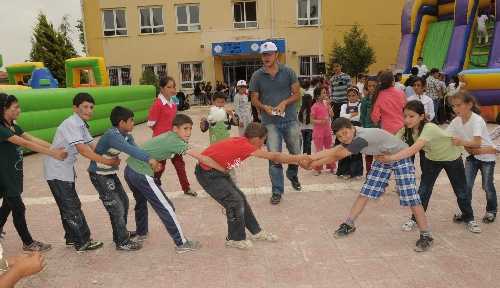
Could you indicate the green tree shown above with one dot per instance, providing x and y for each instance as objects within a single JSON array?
[
  {"x": 81, "y": 36},
  {"x": 52, "y": 47},
  {"x": 355, "y": 54},
  {"x": 149, "y": 77}
]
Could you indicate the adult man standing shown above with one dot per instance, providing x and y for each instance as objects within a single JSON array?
[
  {"x": 274, "y": 89},
  {"x": 340, "y": 81}
]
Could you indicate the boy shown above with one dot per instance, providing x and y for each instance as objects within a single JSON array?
[
  {"x": 139, "y": 177},
  {"x": 74, "y": 136},
  {"x": 117, "y": 139},
  {"x": 219, "y": 120},
  {"x": 229, "y": 153},
  {"x": 161, "y": 115},
  {"x": 374, "y": 141}
]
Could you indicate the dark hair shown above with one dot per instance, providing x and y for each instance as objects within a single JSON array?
[
  {"x": 305, "y": 83},
  {"x": 255, "y": 130},
  {"x": 317, "y": 93},
  {"x": 466, "y": 97},
  {"x": 420, "y": 58},
  {"x": 82, "y": 97},
  {"x": 307, "y": 102},
  {"x": 385, "y": 79},
  {"x": 5, "y": 102},
  {"x": 164, "y": 81},
  {"x": 120, "y": 113},
  {"x": 341, "y": 123},
  {"x": 371, "y": 79},
  {"x": 414, "y": 71},
  {"x": 181, "y": 119},
  {"x": 434, "y": 70},
  {"x": 218, "y": 95},
  {"x": 456, "y": 80},
  {"x": 397, "y": 77},
  {"x": 417, "y": 107},
  {"x": 419, "y": 79},
  {"x": 353, "y": 88}
]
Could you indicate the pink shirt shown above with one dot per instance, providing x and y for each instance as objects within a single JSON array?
[
  {"x": 319, "y": 111},
  {"x": 388, "y": 110}
]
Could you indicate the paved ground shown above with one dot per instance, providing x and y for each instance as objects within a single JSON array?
[{"x": 377, "y": 255}]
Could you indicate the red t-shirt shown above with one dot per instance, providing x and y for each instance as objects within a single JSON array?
[
  {"x": 230, "y": 152},
  {"x": 163, "y": 115}
]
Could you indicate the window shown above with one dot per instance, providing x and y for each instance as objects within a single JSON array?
[
  {"x": 151, "y": 20},
  {"x": 188, "y": 18},
  {"x": 159, "y": 69},
  {"x": 245, "y": 14},
  {"x": 119, "y": 75},
  {"x": 308, "y": 67},
  {"x": 114, "y": 22},
  {"x": 308, "y": 12},
  {"x": 191, "y": 74}
]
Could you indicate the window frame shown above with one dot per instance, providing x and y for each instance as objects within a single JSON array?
[
  {"x": 245, "y": 22},
  {"x": 155, "y": 68},
  {"x": 115, "y": 29},
  {"x": 311, "y": 75},
  {"x": 151, "y": 15},
  {"x": 308, "y": 18},
  {"x": 192, "y": 82},
  {"x": 188, "y": 18},
  {"x": 120, "y": 79}
]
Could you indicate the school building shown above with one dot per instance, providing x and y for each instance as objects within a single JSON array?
[{"x": 218, "y": 40}]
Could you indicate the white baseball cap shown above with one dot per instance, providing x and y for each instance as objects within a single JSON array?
[
  {"x": 268, "y": 47},
  {"x": 241, "y": 83}
]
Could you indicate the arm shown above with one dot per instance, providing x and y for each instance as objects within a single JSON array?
[
  {"x": 485, "y": 150},
  {"x": 21, "y": 266},
  {"x": 278, "y": 157},
  {"x": 376, "y": 112},
  {"x": 86, "y": 151},
  {"x": 206, "y": 160},
  {"x": 430, "y": 111},
  {"x": 119, "y": 143},
  {"x": 405, "y": 153},
  {"x": 36, "y": 140},
  {"x": 343, "y": 112},
  {"x": 259, "y": 105},
  {"x": 59, "y": 154},
  {"x": 154, "y": 115},
  {"x": 474, "y": 143},
  {"x": 329, "y": 155},
  {"x": 290, "y": 100}
]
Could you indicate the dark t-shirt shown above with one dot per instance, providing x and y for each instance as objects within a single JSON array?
[{"x": 11, "y": 162}]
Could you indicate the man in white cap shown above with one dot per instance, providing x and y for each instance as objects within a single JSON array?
[{"x": 274, "y": 89}]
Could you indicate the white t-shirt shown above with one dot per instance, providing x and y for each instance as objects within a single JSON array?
[
  {"x": 347, "y": 109},
  {"x": 481, "y": 22},
  {"x": 428, "y": 105},
  {"x": 476, "y": 126},
  {"x": 422, "y": 70}
]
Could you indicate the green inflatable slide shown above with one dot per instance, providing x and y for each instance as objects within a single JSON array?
[{"x": 436, "y": 44}]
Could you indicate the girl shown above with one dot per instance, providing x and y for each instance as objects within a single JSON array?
[
  {"x": 469, "y": 130},
  {"x": 12, "y": 138},
  {"x": 243, "y": 106},
  {"x": 321, "y": 115},
  {"x": 440, "y": 153},
  {"x": 306, "y": 123},
  {"x": 388, "y": 104},
  {"x": 418, "y": 88},
  {"x": 366, "y": 111},
  {"x": 351, "y": 166}
]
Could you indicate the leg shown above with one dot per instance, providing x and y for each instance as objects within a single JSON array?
[
  {"x": 368, "y": 163},
  {"x": 356, "y": 165},
  {"x": 141, "y": 204},
  {"x": 318, "y": 146},
  {"x": 456, "y": 174},
  {"x": 251, "y": 222},
  {"x": 54, "y": 187},
  {"x": 420, "y": 217},
  {"x": 4, "y": 214},
  {"x": 358, "y": 207},
  {"x": 471, "y": 169},
  {"x": 274, "y": 144},
  {"x": 488, "y": 177},
  {"x": 291, "y": 135},
  {"x": 159, "y": 173},
  {"x": 19, "y": 218},
  {"x": 336, "y": 110},
  {"x": 180, "y": 168}
]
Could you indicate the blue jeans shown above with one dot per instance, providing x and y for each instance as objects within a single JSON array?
[
  {"x": 472, "y": 166},
  {"x": 288, "y": 131}
]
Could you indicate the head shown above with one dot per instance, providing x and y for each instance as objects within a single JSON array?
[
  {"x": 256, "y": 134},
  {"x": 435, "y": 73},
  {"x": 83, "y": 105},
  {"x": 9, "y": 109},
  {"x": 305, "y": 83},
  {"x": 182, "y": 126},
  {"x": 241, "y": 86},
  {"x": 269, "y": 54},
  {"x": 122, "y": 118},
  {"x": 320, "y": 94},
  {"x": 419, "y": 86},
  {"x": 361, "y": 77},
  {"x": 414, "y": 115},
  {"x": 336, "y": 67},
  {"x": 371, "y": 85},
  {"x": 420, "y": 60},
  {"x": 414, "y": 71},
  {"x": 353, "y": 94},
  {"x": 386, "y": 79},
  {"x": 219, "y": 99},
  {"x": 397, "y": 77},
  {"x": 168, "y": 87},
  {"x": 455, "y": 79},
  {"x": 344, "y": 130},
  {"x": 463, "y": 104}
]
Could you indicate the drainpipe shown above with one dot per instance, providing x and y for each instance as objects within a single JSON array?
[{"x": 272, "y": 19}]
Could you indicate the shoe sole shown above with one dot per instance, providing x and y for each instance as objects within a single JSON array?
[
  {"x": 91, "y": 248},
  {"x": 41, "y": 251},
  {"x": 419, "y": 250},
  {"x": 339, "y": 236},
  {"x": 186, "y": 250}
]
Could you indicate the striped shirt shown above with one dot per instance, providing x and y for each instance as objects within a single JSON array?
[{"x": 339, "y": 84}]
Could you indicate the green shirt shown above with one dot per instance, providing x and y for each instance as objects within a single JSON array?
[
  {"x": 162, "y": 147},
  {"x": 218, "y": 132},
  {"x": 11, "y": 162},
  {"x": 438, "y": 145}
]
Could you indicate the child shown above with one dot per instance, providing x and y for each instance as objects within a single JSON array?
[
  {"x": 321, "y": 115},
  {"x": 117, "y": 139},
  {"x": 440, "y": 154},
  {"x": 352, "y": 166},
  {"x": 74, "y": 136},
  {"x": 306, "y": 126},
  {"x": 365, "y": 112},
  {"x": 376, "y": 141},
  {"x": 219, "y": 120},
  {"x": 229, "y": 153},
  {"x": 161, "y": 115},
  {"x": 469, "y": 130},
  {"x": 243, "y": 106},
  {"x": 418, "y": 88},
  {"x": 361, "y": 84},
  {"x": 138, "y": 175},
  {"x": 388, "y": 104}
]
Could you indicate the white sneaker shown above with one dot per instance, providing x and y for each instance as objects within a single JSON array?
[
  {"x": 473, "y": 226},
  {"x": 409, "y": 225},
  {"x": 264, "y": 236},
  {"x": 242, "y": 244}
]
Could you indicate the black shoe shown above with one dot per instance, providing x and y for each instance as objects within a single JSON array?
[
  {"x": 129, "y": 245},
  {"x": 90, "y": 245},
  {"x": 424, "y": 243},
  {"x": 275, "y": 199},
  {"x": 489, "y": 217},
  {"x": 458, "y": 218},
  {"x": 344, "y": 230},
  {"x": 70, "y": 243},
  {"x": 295, "y": 183}
]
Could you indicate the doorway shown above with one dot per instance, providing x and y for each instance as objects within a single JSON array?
[{"x": 234, "y": 71}]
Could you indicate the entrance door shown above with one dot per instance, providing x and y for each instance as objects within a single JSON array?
[{"x": 239, "y": 70}]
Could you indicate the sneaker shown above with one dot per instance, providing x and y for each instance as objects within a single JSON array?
[
  {"x": 90, "y": 245},
  {"x": 409, "y": 225},
  {"x": 129, "y": 245},
  {"x": 275, "y": 199},
  {"x": 242, "y": 244},
  {"x": 473, "y": 226},
  {"x": 136, "y": 237},
  {"x": 344, "y": 230},
  {"x": 37, "y": 246},
  {"x": 489, "y": 217},
  {"x": 316, "y": 173},
  {"x": 457, "y": 218},
  {"x": 191, "y": 193},
  {"x": 264, "y": 236},
  {"x": 424, "y": 243},
  {"x": 189, "y": 245},
  {"x": 295, "y": 183}
]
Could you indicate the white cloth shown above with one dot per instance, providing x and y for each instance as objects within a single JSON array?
[
  {"x": 422, "y": 70},
  {"x": 428, "y": 105},
  {"x": 481, "y": 23},
  {"x": 348, "y": 108}
]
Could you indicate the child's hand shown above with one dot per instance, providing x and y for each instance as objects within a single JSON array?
[
  {"x": 457, "y": 141},
  {"x": 155, "y": 165},
  {"x": 383, "y": 158},
  {"x": 29, "y": 264},
  {"x": 305, "y": 162},
  {"x": 115, "y": 162},
  {"x": 354, "y": 114}
]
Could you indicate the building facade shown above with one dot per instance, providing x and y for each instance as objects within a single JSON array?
[{"x": 217, "y": 40}]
